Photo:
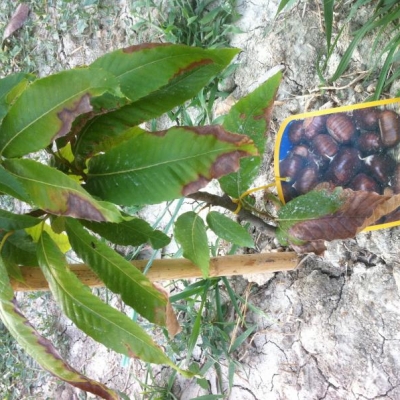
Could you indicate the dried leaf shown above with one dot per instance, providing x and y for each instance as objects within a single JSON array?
[
  {"x": 328, "y": 214},
  {"x": 17, "y": 20},
  {"x": 172, "y": 323}
]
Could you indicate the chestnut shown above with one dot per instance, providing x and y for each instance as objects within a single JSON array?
[
  {"x": 367, "y": 118},
  {"x": 291, "y": 166},
  {"x": 344, "y": 166},
  {"x": 324, "y": 145},
  {"x": 308, "y": 179},
  {"x": 389, "y": 126},
  {"x": 369, "y": 143},
  {"x": 314, "y": 125},
  {"x": 381, "y": 167},
  {"x": 296, "y": 132},
  {"x": 396, "y": 180},
  {"x": 318, "y": 161},
  {"x": 364, "y": 182},
  {"x": 289, "y": 192},
  {"x": 341, "y": 127},
  {"x": 300, "y": 150}
]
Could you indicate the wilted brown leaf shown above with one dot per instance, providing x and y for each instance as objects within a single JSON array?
[
  {"x": 172, "y": 323},
  {"x": 359, "y": 210},
  {"x": 17, "y": 20}
]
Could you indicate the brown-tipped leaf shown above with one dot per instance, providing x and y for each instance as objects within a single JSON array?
[
  {"x": 38, "y": 347},
  {"x": 172, "y": 164},
  {"x": 328, "y": 214},
  {"x": 17, "y": 20}
]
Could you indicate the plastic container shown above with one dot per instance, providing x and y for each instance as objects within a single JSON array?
[{"x": 355, "y": 147}]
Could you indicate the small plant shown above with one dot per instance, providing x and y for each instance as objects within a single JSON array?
[{"x": 71, "y": 147}]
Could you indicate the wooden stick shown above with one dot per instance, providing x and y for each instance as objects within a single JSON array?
[{"x": 168, "y": 269}]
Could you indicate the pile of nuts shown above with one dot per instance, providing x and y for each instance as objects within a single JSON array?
[{"x": 354, "y": 150}]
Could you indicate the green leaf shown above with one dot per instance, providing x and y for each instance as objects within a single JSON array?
[
  {"x": 56, "y": 193},
  {"x": 196, "y": 328},
  {"x": 229, "y": 230},
  {"x": 38, "y": 347},
  {"x": 250, "y": 116},
  {"x": 153, "y": 65},
  {"x": 118, "y": 274},
  {"x": 157, "y": 78},
  {"x": 6, "y": 291},
  {"x": 10, "y": 185},
  {"x": 131, "y": 232},
  {"x": 98, "y": 320},
  {"x": 312, "y": 205},
  {"x": 241, "y": 338},
  {"x": 282, "y": 5},
  {"x": 19, "y": 249},
  {"x": 13, "y": 270},
  {"x": 60, "y": 238},
  {"x": 10, "y": 88},
  {"x": 190, "y": 233},
  {"x": 42, "y": 114},
  {"x": 380, "y": 18},
  {"x": 328, "y": 17},
  {"x": 12, "y": 222},
  {"x": 167, "y": 165}
]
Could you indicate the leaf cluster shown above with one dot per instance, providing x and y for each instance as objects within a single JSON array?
[{"x": 98, "y": 161}]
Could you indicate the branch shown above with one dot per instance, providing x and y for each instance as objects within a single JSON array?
[{"x": 226, "y": 202}]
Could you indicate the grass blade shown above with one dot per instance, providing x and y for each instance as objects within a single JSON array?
[{"x": 328, "y": 16}]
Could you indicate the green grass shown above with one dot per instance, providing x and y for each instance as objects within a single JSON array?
[
  {"x": 202, "y": 23},
  {"x": 383, "y": 25}
]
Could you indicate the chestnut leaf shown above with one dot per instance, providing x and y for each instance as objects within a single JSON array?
[{"x": 326, "y": 214}]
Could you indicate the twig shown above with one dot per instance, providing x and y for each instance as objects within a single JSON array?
[
  {"x": 362, "y": 75},
  {"x": 226, "y": 202}
]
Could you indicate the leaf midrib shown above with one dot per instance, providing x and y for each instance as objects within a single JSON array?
[
  {"x": 79, "y": 302},
  {"x": 43, "y": 115},
  {"x": 113, "y": 264},
  {"x": 131, "y": 170}
]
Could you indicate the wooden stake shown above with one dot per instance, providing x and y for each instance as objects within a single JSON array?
[{"x": 168, "y": 269}]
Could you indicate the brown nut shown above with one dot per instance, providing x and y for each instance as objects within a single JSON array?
[
  {"x": 389, "y": 126},
  {"x": 307, "y": 180},
  {"x": 396, "y": 180},
  {"x": 344, "y": 166},
  {"x": 289, "y": 192},
  {"x": 364, "y": 182},
  {"x": 367, "y": 118},
  {"x": 369, "y": 143},
  {"x": 291, "y": 167},
  {"x": 316, "y": 160},
  {"x": 314, "y": 125},
  {"x": 341, "y": 127},
  {"x": 296, "y": 132},
  {"x": 300, "y": 150},
  {"x": 381, "y": 167},
  {"x": 324, "y": 145}
]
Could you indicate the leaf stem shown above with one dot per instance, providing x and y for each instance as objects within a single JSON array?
[
  {"x": 226, "y": 202},
  {"x": 6, "y": 236}
]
